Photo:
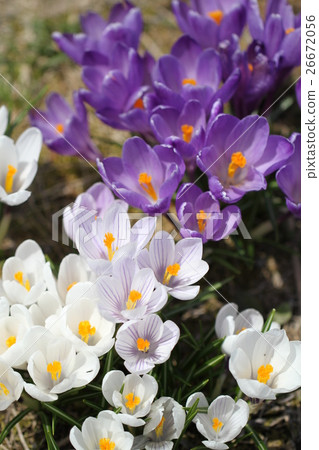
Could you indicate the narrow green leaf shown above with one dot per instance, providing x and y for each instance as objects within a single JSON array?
[
  {"x": 52, "y": 445},
  {"x": 209, "y": 364},
  {"x": 92, "y": 405},
  {"x": 268, "y": 322},
  {"x": 61, "y": 414},
  {"x": 196, "y": 389},
  {"x": 260, "y": 444},
  {"x": 13, "y": 423},
  {"x": 189, "y": 417}
]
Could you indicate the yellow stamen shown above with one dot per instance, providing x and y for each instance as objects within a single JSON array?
[
  {"x": 239, "y": 331},
  {"x": 10, "y": 341},
  {"x": 3, "y": 388},
  {"x": 250, "y": 67},
  {"x": 187, "y": 131},
  {"x": 202, "y": 220},
  {"x": 143, "y": 345},
  {"x": 59, "y": 127},
  {"x": 139, "y": 104},
  {"x": 217, "y": 424},
  {"x": 108, "y": 241},
  {"x": 145, "y": 182},
  {"x": 54, "y": 369},
  {"x": 18, "y": 276},
  {"x": 9, "y": 178},
  {"x": 85, "y": 330},
  {"x": 159, "y": 428},
  {"x": 106, "y": 444},
  {"x": 132, "y": 299},
  {"x": 189, "y": 81},
  {"x": 132, "y": 401},
  {"x": 71, "y": 285},
  {"x": 237, "y": 161},
  {"x": 171, "y": 271},
  {"x": 263, "y": 373},
  {"x": 289, "y": 30},
  {"x": 216, "y": 15}
]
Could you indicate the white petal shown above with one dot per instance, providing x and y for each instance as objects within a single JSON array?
[{"x": 29, "y": 144}]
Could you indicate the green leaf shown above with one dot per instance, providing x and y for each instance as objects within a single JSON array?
[
  {"x": 260, "y": 444},
  {"x": 13, "y": 423},
  {"x": 52, "y": 445},
  {"x": 61, "y": 414},
  {"x": 92, "y": 405},
  {"x": 209, "y": 364},
  {"x": 189, "y": 417},
  {"x": 196, "y": 389},
  {"x": 268, "y": 322}
]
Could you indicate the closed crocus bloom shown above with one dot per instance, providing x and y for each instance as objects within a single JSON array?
[
  {"x": 55, "y": 366},
  {"x": 224, "y": 420},
  {"x": 11, "y": 385},
  {"x": 65, "y": 130},
  {"x": 176, "y": 267},
  {"x": 23, "y": 274},
  {"x": 141, "y": 177},
  {"x": 19, "y": 165},
  {"x": 132, "y": 393},
  {"x": 105, "y": 432},
  {"x": 265, "y": 364},
  {"x": 144, "y": 343},
  {"x": 289, "y": 177},
  {"x": 200, "y": 215},
  {"x": 239, "y": 154},
  {"x": 4, "y": 114}
]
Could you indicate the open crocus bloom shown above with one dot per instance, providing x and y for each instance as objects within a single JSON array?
[
  {"x": 11, "y": 385},
  {"x": 19, "y": 164},
  {"x": 224, "y": 420},
  {"x": 176, "y": 267},
  {"x": 265, "y": 364},
  {"x": 144, "y": 343},
  {"x": 129, "y": 293},
  {"x": 104, "y": 432},
  {"x": 132, "y": 393}
]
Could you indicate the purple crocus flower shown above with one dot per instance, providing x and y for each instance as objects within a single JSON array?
[
  {"x": 99, "y": 36},
  {"x": 117, "y": 89},
  {"x": 238, "y": 154},
  {"x": 144, "y": 343},
  {"x": 289, "y": 177},
  {"x": 210, "y": 22},
  {"x": 65, "y": 130},
  {"x": 200, "y": 215},
  {"x": 145, "y": 178}
]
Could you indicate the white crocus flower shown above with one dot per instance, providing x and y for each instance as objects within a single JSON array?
[
  {"x": 23, "y": 274},
  {"x": 104, "y": 432},
  {"x": 176, "y": 267},
  {"x": 132, "y": 393},
  {"x": 230, "y": 323},
  {"x": 166, "y": 421},
  {"x": 54, "y": 365},
  {"x": 224, "y": 420},
  {"x": 11, "y": 385},
  {"x": 19, "y": 165},
  {"x": 265, "y": 364},
  {"x": 4, "y": 115}
]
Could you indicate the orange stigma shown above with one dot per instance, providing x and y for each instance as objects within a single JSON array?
[
  {"x": 54, "y": 369},
  {"x": 171, "y": 271},
  {"x": 139, "y": 104},
  {"x": 202, "y": 220},
  {"x": 159, "y": 428},
  {"x": 59, "y": 127},
  {"x": 9, "y": 178},
  {"x": 263, "y": 373},
  {"x": 18, "y": 276},
  {"x": 187, "y": 131},
  {"x": 10, "y": 341},
  {"x": 132, "y": 299},
  {"x": 237, "y": 161},
  {"x": 145, "y": 182},
  {"x": 85, "y": 330},
  {"x": 250, "y": 67},
  {"x": 189, "y": 81},
  {"x": 289, "y": 30},
  {"x": 108, "y": 241},
  {"x": 106, "y": 444},
  {"x": 71, "y": 285},
  {"x": 132, "y": 401},
  {"x": 143, "y": 345},
  {"x": 217, "y": 424},
  {"x": 216, "y": 15}
]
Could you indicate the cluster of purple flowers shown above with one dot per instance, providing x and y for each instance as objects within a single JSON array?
[{"x": 176, "y": 106}]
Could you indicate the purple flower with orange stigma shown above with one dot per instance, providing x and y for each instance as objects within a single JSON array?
[
  {"x": 65, "y": 130},
  {"x": 96, "y": 41},
  {"x": 289, "y": 177},
  {"x": 141, "y": 177},
  {"x": 210, "y": 22},
  {"x": 144, "y": 343},
  {"x": 200, "y": 215},
  {"x": 238, "y": 154}
]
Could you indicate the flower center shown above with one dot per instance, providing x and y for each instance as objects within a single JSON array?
[
  {"x": 108, "y": 241},
  {"x": 143, "y": 345},
  {"x": 132, "y": 299},
  {"x": 239, "y": 331},
  {"x": 159, "y": 428},
  {"x": 189, "y": 81},
  {"x": 145, "y": 182},
  {"x": 237, "y": 161},
  {"x": 139, "y": 104},
  {"x": 201, "y": 220},
  {"x": 289, "y": 30},
  {"x": 3, "y": 389},
  {"x": 18, "y": 276},
  {"x": 71, "y": 285},
  {"x": 59, "y": 127},
  {"x": 250, "y": 67},
  {"x": 9, "y": 178},
  {"x": 216, "y": 15},
  {"x": 10, "y": 341},
  {"x": 106, "y": 444},
  {"x": 263, "y": 373},
  {"x": 132, "y": 401},
  {"x": 217, "y": 424},
  {"x": 85, "y": 330},
  {"x": 187, "y": 131},
  {"x": 54, "y": 369},
  {"x": 171, "y": 271}
]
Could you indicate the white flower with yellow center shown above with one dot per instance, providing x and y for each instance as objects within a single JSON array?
[
  {"x": 19, "y": 165},
  {"x": 11, "y": 385},
  {"x": 265, "y": 364},
  {"x": 132, "y": 393}
]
